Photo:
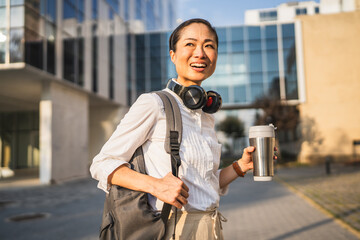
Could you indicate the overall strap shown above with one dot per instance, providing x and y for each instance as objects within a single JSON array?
[{"x": 172, "y": 139}]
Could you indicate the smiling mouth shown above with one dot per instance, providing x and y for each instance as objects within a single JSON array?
[{"x": 198, "y": 65}]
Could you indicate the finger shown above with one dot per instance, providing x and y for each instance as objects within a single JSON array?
[
  {"x": 177, "y": 204},
  {"x": 183, "y": 201},
  {"x": 185, "y": 187},
  {"x": 249, "y": 149},
  {"x": 184, "y": 193}
]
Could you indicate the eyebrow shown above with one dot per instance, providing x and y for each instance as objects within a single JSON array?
[{"x": 194, "y": 39}]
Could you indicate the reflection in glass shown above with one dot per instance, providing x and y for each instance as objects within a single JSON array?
[
  {"x": 16, "y": 2},
  {"x": 50, "y": 56},
  {"x": 3, "y": 18},
  {"x": 69, "y": 10},
  {"x": 126, "y": 10},
  {"x": 240, "y": 94},
  {"x": 274, "y": 85},
  {"x": 221, "y": 32},
  {"x": 288, "y": 43},
  {"x": 237, "y": 34},
  {"x": 255, "y": 61},
  {"x": 253, "y": 33},
  {"x": 3, "y": 39},
  {"x": 48, "y": 9},
  {"x": 272, "y": 61},
  {"x": 256, "y": 78},
  {"x": 138, "y": 15},
  {"x": 271, "y": 44},
  {"x": 271, "y": 31},
  {"x": 224, "y": 92},
  {"x": 17, "y": 16},
  {"x": 16, "y": 46},
  {"x": 222, "y": 48},
  {"x": 301, "y": 11},
  {"x": 255, "y": 45},
  {"x": 80, "y": 63},
  {"x": 223, "y": 66},
  {"x": 268, "y": 16},
  {"x": 287, "y": 30},
  {"x": 290, "y": 74},
  {"x": 69, "y": 59},
  {"x": 94, "y": 8},
  {"x": 257, "y": 90},
  {"x": 238, "y": 46},
  {"x": 238, "y": 63},
  {"x": 33, "y": 49}
]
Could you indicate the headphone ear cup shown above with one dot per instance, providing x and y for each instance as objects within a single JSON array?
[
  {"x": 213, "y": 103},
  {"x": 194, "y": 97}
]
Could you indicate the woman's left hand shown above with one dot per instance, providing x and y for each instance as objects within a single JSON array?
[{"x": 246, "y": 162}]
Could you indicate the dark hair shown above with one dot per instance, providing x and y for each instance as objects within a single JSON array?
[{"x": 175, "y": 35}]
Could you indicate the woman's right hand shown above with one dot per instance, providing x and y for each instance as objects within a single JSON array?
[{"x": 172, "y": 190}]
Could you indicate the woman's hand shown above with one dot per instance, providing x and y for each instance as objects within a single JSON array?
[
  {"x": 246, "y": 162},
  {"x": 172, "y": 190}
]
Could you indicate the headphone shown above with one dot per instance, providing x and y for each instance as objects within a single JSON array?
[{"x": 195, "y": 97}]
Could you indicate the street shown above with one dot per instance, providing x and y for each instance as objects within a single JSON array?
[{"x": 255, "y": 210}]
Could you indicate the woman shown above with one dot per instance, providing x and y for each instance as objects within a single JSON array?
[{"x": 194, "y": 51}]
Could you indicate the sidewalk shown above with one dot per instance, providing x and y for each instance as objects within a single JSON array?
[
  {"x": 337, "y": 193},
  {"x": 270, "y": 210},
  {"x": 255, "y": 210}
]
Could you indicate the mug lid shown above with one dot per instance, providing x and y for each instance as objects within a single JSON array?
[{"x": 262, "y": 131}]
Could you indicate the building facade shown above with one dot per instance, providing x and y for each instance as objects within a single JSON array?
[
  {"x": 70, "y": 69},
  {"x": 284, "y": 59},
  {"x": 63, "y": 77}
]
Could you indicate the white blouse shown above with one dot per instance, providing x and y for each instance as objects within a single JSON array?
[{"x": 145, "y": 124}]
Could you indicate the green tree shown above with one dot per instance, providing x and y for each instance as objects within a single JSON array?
[{"x": 232, "y": 127}]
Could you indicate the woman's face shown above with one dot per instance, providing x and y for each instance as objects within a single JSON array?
[{"x": 196, "y": 54}]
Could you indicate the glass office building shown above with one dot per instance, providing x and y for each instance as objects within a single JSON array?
[
  {"x": 71, "y": 54},
  {"x": 253, "y": 62}
]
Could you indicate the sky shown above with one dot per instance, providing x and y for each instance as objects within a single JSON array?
[{"x": 223, "y": 12}]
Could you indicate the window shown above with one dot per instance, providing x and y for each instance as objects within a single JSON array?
[
  {"x": 317, "y": 10},
  {"x": 138, "y": 7},
  {"x": 268, "y": 16},
  {"x": 301, "y": 11},
  {"x": 253, "y": 33},
  {"x": 240, "y": 94},
  {"x": 16, "y": 46},
  {"x": 114, "y": 5},
  {"x": 94, "y": 9}
]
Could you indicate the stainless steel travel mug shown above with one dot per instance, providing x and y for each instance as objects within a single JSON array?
[{"x": 263, "y": 139}]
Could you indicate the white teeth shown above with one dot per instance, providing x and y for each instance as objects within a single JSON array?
[{"x": 198, "y": 65}]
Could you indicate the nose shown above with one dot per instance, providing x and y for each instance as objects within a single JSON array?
[{"x": 199, "y": 52}]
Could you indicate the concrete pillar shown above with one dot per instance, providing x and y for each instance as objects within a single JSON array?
[{"x": 64, "y": 134}]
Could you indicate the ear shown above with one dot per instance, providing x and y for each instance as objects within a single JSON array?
[{"x": 172, "y": 56}]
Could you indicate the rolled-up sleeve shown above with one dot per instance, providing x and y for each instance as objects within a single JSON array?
[{"x": 132, "y": 132}]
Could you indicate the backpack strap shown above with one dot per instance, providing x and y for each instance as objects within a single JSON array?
[
  {"x": 172, "y": 139},
  {"x": 173, "y": 129}
]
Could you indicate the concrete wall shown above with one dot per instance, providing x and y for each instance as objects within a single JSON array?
[
  {"x": 64, "y": 134},
  {"x": 103, "y": 122},
  {"x": 330, "y": 115}
]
